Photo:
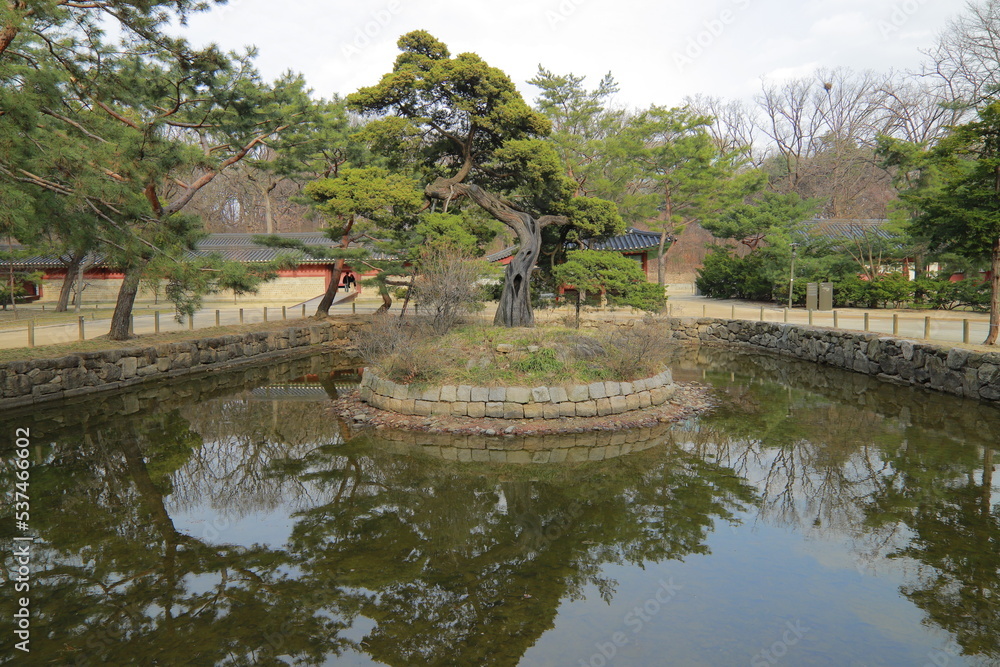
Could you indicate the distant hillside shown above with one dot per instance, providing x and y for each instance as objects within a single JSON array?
[{"x": 685, "y": 256}]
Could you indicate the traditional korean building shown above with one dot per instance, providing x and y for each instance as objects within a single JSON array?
[
  {"x": 635, "y": 244},
  {"x": 307, "y": 279}
]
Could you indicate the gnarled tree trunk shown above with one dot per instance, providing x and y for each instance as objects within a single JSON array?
[
  {"x": 514, "y": 309},
  {"x": 10, "y": 31},
  {"x": 383, "y": 292},
  {"x": 661, "y": 259}
]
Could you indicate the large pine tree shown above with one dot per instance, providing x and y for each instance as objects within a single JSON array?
[{"x": 960, "y": 211}]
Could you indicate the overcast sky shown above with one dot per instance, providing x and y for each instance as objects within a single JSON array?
[{"x": 660, "y": 52}]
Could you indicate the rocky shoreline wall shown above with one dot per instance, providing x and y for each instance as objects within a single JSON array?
[
  {"x": 955, "y": 370},
  {"x": 44, "y": 380},
  {"x": 583, "y": 400}
]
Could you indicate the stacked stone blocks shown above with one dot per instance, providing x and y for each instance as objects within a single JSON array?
[
  {"x": 42, "y": 380},
  {"x": 955, "y": 370},
  {"x": 597, "y": 399}
]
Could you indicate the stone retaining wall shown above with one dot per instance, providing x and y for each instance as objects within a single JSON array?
[
  {"x": 584, "y": 400},
  {"x": 954, "y": 370},
  {"x": 43, "y": 380}
]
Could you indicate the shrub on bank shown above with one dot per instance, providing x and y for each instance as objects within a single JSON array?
[
  {"x": 731, "y": 277},
  {"x": 894, "y": 291},
  {"x": 755, "y": 278}
]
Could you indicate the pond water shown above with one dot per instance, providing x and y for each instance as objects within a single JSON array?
[{"x": 814, "y": 518}]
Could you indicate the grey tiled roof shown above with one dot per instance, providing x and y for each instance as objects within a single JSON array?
[
  {"x": 242, "y": 248},
  {"x": 244, "y": 239},
  {"x": 40, "y": 261},
  {"x": 234, "y": 247},
  {"x": 502, "y": 254},
  {"x": 632, "y": 240},
  {"x": 836, "y": 229}
]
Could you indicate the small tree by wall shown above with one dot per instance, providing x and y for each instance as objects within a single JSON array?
[{"x": 619, "y": 278}]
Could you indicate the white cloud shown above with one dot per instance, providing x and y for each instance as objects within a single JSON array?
[
  {"x": 634, "y": 39},
  {"x": 795, "y": 72},
  {"x": 841, "y": 26}
]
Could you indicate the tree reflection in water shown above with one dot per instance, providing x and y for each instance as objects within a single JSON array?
[
  {"x": 416, "y": 560},
  {"x": 907, "y": 475},
  {"x": 454, "y": 563}
]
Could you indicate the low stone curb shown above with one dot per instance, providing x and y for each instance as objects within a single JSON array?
[{"x": 583, "y": 400}]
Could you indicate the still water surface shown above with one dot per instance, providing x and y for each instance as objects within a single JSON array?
[{"x": 814, "y": 518}]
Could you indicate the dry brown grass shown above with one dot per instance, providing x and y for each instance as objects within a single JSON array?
[
  {"x": 492, "y": 356},
  {"x": 392, "y": 344},
  {"x": 636, "y": 351}
]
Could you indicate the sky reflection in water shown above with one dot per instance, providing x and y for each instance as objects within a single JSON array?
[{"x": 815, "y": 518}]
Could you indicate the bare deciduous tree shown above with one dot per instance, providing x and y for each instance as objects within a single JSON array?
[
  {"x": 736, "y": 126},
  {"x": 822, "y": 132},
  {"x": 448, "y": 285},
  {"x": 966, "y": 57}
]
